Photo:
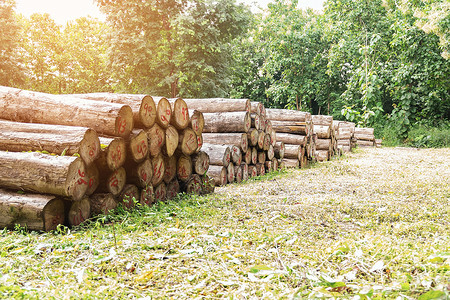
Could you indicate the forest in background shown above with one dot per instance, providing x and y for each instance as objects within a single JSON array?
[{"x": 383, "y": 64}]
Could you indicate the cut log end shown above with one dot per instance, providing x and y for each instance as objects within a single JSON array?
[
  {"x": 90, "y": 147},
  {"x": 124, "y": 122},
  {"x": 76, "y": 181},
  {"x": 147, "y": 112},
  {"x": 79, "y": 212}
]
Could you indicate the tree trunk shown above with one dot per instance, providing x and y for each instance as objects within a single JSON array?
[
  {"x": 290, "y": 163},
  {"x": 227, "y": 122},
  {"x": 42, "y": 173},
  {"x": 180, "y": 113},
  {"x": 171, "y": 140},
  {"x": 188, "y": 142},
  {"x": 184, "y": 167},
  {"x": 36, "y": 212},
  {"x": 293, "y": 139},
  {"x": 113, "y": 154},
  {"x": 159, "y": 169},
  {"x": 147, "y": 196},
  {"x": 324, "y": 144},
  {"x": 170, "y": 170},
  {"x": 252, "y": 136},
  {"x": 61, "y": 140},
  {"x": 252, "y": 171},
  {"x": 247, "y": 157},
  {"x": 197, "y": 122},
  {"x": 129, "y": 196},
  {"x": 200, "y": 161},
  {"x": 257, "y": 108},
  {"x": 261, "y": 157},
  {"x": 140, "y": 174},
  {"x": 208, "y": 185},
  {"x": 290, "y": 127},
  {"x": 254, "y": 155},
  {"x": 233, "y": 139},
  {"x": 276, "y": 114},
  {"x": 244, "y": 168},
  {"x": 214, "y": 105},
  {"x": 260, "y": 169},
  {"x": 102, "y": 204},
  {"x": 79, "y": 211},
  {"x": 279, "y": 149},
  {"x": 238, "y": 173},
  {"x": 230, "y": 173},
  {"x": 143, "y": 106},
  {"x": 270, "y": 153},
  {"x": 193, "y": 185},
  {"x": 256, "y": 121},
  {"x": 219, "y": 173},
  {"x": 322, "y": 155},
  {"x": 138, "y": 145},
  {"x": 92, "y": 178},
  {"x": 163, "y": 111},
  {"x": 322, "y": 120},
  {"x": 322, "y": 131},
  {"x": 364, "y": 143},
  {"x": 236, "y": 155},
  {"x": 112, "y": 181},
  {"x": 219, "y": 155},
  {"x": 161, "y": 192},
  {"x": 275, "y": 164},
  {"x": 156, "y": 139},
  {"x": 32, "y": 107}
]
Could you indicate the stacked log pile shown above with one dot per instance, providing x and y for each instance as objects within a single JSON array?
[
  {"x": 295, "y": 139},
  {"x": 344, "y": 135},
  {"x": 364, "y": 137},
  {"x": 326, "y": 146},
  {"x": 72, "y": 156}
]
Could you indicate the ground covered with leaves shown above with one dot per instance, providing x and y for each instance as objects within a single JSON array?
[{"x": 374, "y": 224}]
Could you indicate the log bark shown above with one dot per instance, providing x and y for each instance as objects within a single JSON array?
[
  {"x": 172, "y": 189},
  {"x": 293, "y": 139},
  {"x": 292, "y": 151},
  {"x": 113, "y": 153},
  {"x": 276, "y": 114},
  {"x": 161, "y": 192},
  {"x": 180, "y": 113},
  {"x": 32, "y": 107},
  {"x": 156, "y": 139},
  {"x": 233, "y": 139},
  {"x": 147, "y": 196},
  {"x": 102, "y": 203},
  {"x": 34, "y": 211},
  {"x": 143, "y": 106},
  {"x": 322, "y": 120},
  {"x": 219, "y": 173},
  {"x": 324, "y": 144},
  {"x": 42, "y": 173},
  {"x": 159, "y": 169},
  {"x": 184, "y": 167},
  {"x": 79, "y": 211},
  {"x": 215, "y": 105},
  {"x": 170, "y": 172},
  {"x": 290, "y": 127},
  {"x": 219, "y": 155},
  {"x": 197, "y": 122},
  {"x": 188, "y": 142},
  {"x": 171, "y": 140},
  {"x": 322, "y": 131},
  {"x": 200, "y": 162},
  {"x": 290, "y": 163},
  {"x": 138, "y": 145},
  {"x": 163, "y": 111},
  {"x": 129, "y": 197},
  {"x": 279, "y": 149},
  {"x": 227, "y": 122},
  {"x": 61, "y": 140}
]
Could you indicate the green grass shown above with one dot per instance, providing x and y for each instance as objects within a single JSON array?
[{"x": 373, "y": 224}]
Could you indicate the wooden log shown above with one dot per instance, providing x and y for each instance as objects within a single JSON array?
[
  {"x": 129, "y": 196},
  {"x": 292, "y": 151},
  {"x": 172, "y": 140},
  {"x": 293, "y": 139},
  {"x": 378, "y": 143},
  {"x": 236, "y": 155},
  {"x": 260, "y": 169},
  {"x": 322, "y": 120},
  {"x": 147, "y": 196},
  {"x": 261, "y": 157},
  {"x": 261, "y": 139},
  {"x": 161, "y": 192},
  {"x": 269, "y": 166},
  {"x": 200, "y": 162},
  {"x": 188, "y": 142},
  {"x": 256, "y": 121},
  {"x": 279, "y": 149},
  {"x": 226, "y": 122},
  {"x": 219, "y": 155},
  {"x": 218, "y": 173},
  {"x": 276, "y": 114},
  {"x": 364, "y": 137},
  {"x": 163, "y": 111},
  {"x": 324, "y": 144},
  {"x": 33, "y": 211},
  {"x": 156, "y": 139},
  {"x": 254, "y": 155},
  {"x": 252, "y": 136},
  {"x": 233, "y": 139},
  {"x": 344, "y": 134},
  {"x": 215, "y": 105},
  {"x": 172, "y": 189},
  {"x": 113, "y": 153},
  {"x": 322, "y": 155},
  {"x": 170, "y": 170},
  {"x": 252, "y": 171},
  {"x": 247, "y": 157},
  {"x": 143, "y": 106},
  {"x": 208, "y": 185},
  {"x": 200, "y": 142},
  {"x": 290, "y": 163},
  {"x": 32, "y": 107},
  {"x": 238, "y": 173},
  {"x": 92, "y": 178},
  {"x": 42, "y": 173},
  {"x": 102, "y": 203},
  {"x": 79, "y": 211},
  {"x": 270, "y": 153},
  {"x": 267, "y": 142},
  {"x": 230, "y": 173},
  {"x": 159, "y": 169},
  {"x": 138, "y": 145},
  {"x": 61, "y": 140},
  {"x": 180, "y": 113},
  {"x": 112, "y": 181},
  {"x": 364, "y": 143},
  {"x": 275, "y": 164},
  {"x": 257, "y": 108},
  {"x": 140, "y": 174},
  {"x": 244, "y": 168},
  {"x": 273, "y": 137},
  {"x": 197, "y": 122},
  {"x": 363, "y": 131},
  {"x": 322, "y": 131},
  {"x": 184, "y": 167},
  {"x": 193, "y": 185},
  {"x": 290, "y": 127}
]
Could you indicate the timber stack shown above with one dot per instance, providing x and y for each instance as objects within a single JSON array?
[
  {"x": 73, "y": 156},
  {"x": 364, "y": 137},
  {"x": 326, "y": 145},
  {"x": 344, "y": 135}
]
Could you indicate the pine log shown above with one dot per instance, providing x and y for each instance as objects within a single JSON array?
[
  {"x": 170, "y": 171},
  {"x": 184, "y": 167},
  {"x": 234, "y": 139},
  {"x": 293, "y": 139},
  {"x": 112, "y": 181},
  {"x": 226, "y": 122},
  {"x": 214, "y": 105},
  {"x": 163, "y": 111},
  {"x": 140, "y": 174},
  {"x": 236, "y": 155},
  {"x": 254, "y": 155},
  {"x": 172, "y": 139},
  {"x": 276, "y": 114},
  {"x": 263, "y": 123},
  {"x": 344, "y": 133},
  {"x": 32, "y": 107},
  {"x": 197, "y": 122},
  {"x": 180, "y": 113},
  {"x": 113, "y": 153},
  {"x": 322, "y": 120},
  {"x": 219, "y": 155},
  {"x": 143, "y": 106},
  {"x": 172, "y": 189},
  {"x": 33, "y": 211},
  {"x": 256, "y": 121},
  {"x": 238, "y": 173},
  {"x": 42, "y": 173},
  {"x": 364, "y": 143},
  {"x": 247, "y": 157},
  {"x": 161, "y": 192},
  {"x": 364, "y": 137},
  {"x": 364, "y": 131},
  {"x": 79, "y": 211},
  {"x": 267, "y": 142},
  {"x": 324, "y": 144},
  {"x": 290, "y": 127},
  {"x": 200, "y": 162},
  {"x": 292, "y": 151},
  {"x": 92, "y": 178},
  {"x": 159, "y": 169},
  {"x": 58, "y": 139},
  {"x": 138, "y": 145},
  {"x": 261, "y": 139},
  {"x": 188, "y": 142},
  {"x": 156, "y": 139},
  {"x": 290, "y": 163},
  {"x": 230, "y": 173},
  {"x": 261, "y": 157},
  {"x": 252, "y": 136},
  {"x": 147, "y": 196},
  {"x": 270, "y": 153},
  {"x": 102, "y": 204},
  {"x": 129, "y": 197},
  {"x": 279, "y": 149},
  {"x": 322, "y": 131},
  {"x": 252, "y": 171},
  {"x": 219, "y": 173}
]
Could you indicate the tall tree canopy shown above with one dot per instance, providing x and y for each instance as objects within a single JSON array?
[{"x": 174, "y": 47}]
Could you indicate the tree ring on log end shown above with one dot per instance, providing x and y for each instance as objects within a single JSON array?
[{"x": 76, "y": 180}]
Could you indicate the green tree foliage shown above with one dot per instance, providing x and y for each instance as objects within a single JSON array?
[
  {"x": 174, "y": 47},
  {"x": 10, "y": 68}
]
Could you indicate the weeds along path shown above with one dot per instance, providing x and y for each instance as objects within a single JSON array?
[{"x": 374, "y": 223}]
